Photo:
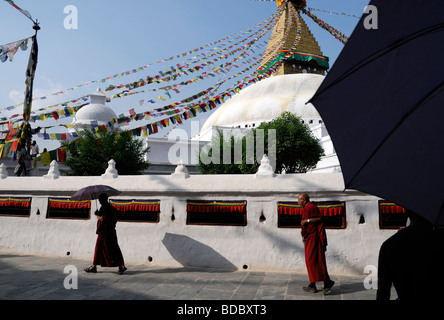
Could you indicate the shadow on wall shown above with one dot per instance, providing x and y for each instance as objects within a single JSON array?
[{"x": 191, "y": 253}]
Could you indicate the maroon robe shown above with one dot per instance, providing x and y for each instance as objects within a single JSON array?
[
  {"x": 107, "y": 252},
  {"x": 315, "y": 244}
]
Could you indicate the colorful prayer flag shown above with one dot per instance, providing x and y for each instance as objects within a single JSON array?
[
  {"x": 45, "y": 158},
  {"x": 30, "y": 73}
]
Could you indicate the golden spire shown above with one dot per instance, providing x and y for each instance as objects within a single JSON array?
[
  {"x": 297, "y": 3},
  {"x": 292, "y": 41}
]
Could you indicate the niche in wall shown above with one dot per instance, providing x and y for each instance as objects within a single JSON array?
[{"x": 217, "y": 212}]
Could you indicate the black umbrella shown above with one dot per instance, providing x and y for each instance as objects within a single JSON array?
[
  {"x": 93, "y": 192},
  {"x": 383, "y": 105}
]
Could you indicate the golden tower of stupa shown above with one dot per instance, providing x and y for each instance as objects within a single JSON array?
[{"x": 292, "y": 43}]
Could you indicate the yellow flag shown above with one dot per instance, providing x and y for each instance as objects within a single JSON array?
[{"x": 45, "y": 158}]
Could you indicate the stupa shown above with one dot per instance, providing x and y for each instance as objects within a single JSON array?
[
  {"x": 94, "y": 114},
  {"x": 297, "y": 66}
]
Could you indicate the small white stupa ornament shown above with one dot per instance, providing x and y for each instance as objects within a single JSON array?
[
  {"x": 95, "y": 114},
  {"x": 265, "y": 169},
  {"x": 181, "y": 171},
  {"x": 53, "y": 172},
  {"x": 111, "y": 171}
]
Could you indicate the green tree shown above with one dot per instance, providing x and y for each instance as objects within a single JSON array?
[
  {"x": 89, "y": 155},
  {"x": 220, "y": 156},
  {"x": 295, "y": 149}
]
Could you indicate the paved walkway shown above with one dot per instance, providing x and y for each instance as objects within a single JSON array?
[{"x": 43, "y": 278}]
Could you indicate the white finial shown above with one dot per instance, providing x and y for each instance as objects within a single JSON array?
[
  {"x": 111, "y": 171},
  {"x": 265, "y": 169},
  {"x": 98, "y": 97},
  {"x": 53, "y": 172},
  {"x": 181, "y": 170}
]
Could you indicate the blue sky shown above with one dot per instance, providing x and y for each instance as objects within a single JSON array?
[{"x": 116, "y": 36}]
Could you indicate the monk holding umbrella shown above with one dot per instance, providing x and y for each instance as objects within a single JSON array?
[{"x": 107, "y": 252}]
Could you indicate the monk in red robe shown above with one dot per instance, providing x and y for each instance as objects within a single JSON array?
[
  {"x": 315, "y": 245},
  {"x": 107, "y": 252}
]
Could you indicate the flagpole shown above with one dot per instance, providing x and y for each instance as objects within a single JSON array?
[
  {"x": 24, "y": 141},
  {"x": 36, "y": 26}
]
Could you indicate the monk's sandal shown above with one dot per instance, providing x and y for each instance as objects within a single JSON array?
[
  {"x": 122, "y": 270},
  {"x": 310, "y": 289},
  {"x": 91, "y": 269}
]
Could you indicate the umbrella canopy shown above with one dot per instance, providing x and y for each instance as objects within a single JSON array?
[
  {"x": 93, "y": 192},
  {"x": 383, "y": 106}
]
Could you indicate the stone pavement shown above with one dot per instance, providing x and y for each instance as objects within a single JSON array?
[{"x": 44, "y": 278}]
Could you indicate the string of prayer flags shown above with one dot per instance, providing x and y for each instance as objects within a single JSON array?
[
  {"x": 24, "y": 12},
  {"x": 57, "y": 114},
  {"x": 139, "y": 69},
  {"x": 7, "y": 51},
  {"x": 337, "y": 34},
  {"x": 336, "y": 13},
  {"x": 177, "y": 117},
  {"x": 142, "y": 82},
  {"x": 228, "y": 65},
  {"x": 174, "y": 88},
  {"x": 221, "y": 59}
]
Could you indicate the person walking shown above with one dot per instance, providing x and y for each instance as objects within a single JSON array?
[
  {"x": 315, "y": 245},
  {"x": 34, "y": 153},
  {"x": 20, "y": 168},
  {"x": 107, "y": 251}
]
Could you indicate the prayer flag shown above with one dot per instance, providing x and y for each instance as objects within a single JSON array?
[
  {"x": 61, "y": 154},
  {"x": 45, "y": 158},
  {"x": 30, "y": 73},
  {"x": 52, "y": 155},
  {"x": 13, "y": 146},
  {"x": 179, "y": 121},
  {"x": 7, "y": 149},
  {"x": 25, "y": 12}
]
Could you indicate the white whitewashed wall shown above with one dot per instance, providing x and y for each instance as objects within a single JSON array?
[{"x": 260, "y": 245}]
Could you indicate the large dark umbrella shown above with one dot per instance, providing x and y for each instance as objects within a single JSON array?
[
  {"x": 93, "y": 192},
  {"x": 383, "y": 105}
]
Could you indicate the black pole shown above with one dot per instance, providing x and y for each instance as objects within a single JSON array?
[{"x": 26, "y": 132}]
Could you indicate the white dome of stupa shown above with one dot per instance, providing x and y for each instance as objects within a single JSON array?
[
  {"x": 96, "y": 111},
  {"x": 267, "y": 100}
]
